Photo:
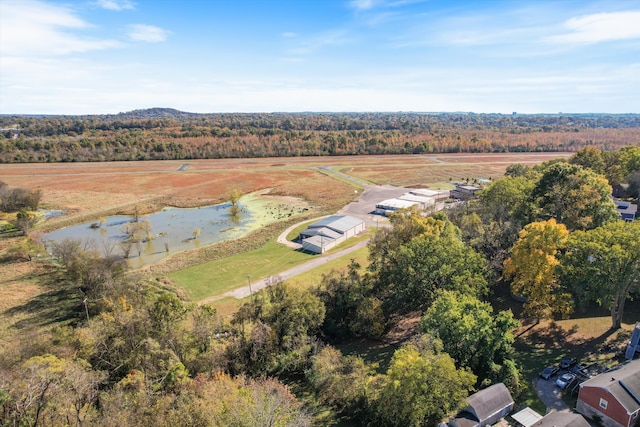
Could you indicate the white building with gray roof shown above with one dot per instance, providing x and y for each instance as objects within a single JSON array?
[{"x": 325, "y": 234}]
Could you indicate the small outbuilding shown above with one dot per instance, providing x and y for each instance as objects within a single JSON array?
[
  {"x": 423, "y": 201},
  {"x": 627, "y": 210},
  {"x": 464, "y": 192},
  {"x": 485, "y": 407}
]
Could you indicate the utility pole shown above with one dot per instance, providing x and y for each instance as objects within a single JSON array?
[
  {"x": 86, "y": 309},
  {"x": 250, "y": 291}
]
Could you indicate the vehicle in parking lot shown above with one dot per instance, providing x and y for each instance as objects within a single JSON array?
[
  {"x": 567, "y": 363},
  {"x": 548, "y": 372},
  {"x": 564, "y": 380},
  {"x": 576, "y": 368}
]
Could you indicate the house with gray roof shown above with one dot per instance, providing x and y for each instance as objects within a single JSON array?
[
  {"x": 613, "y": 397},
  {"x": 562, "y": 419}
]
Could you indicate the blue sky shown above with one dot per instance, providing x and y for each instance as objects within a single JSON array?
[{"x": 110, "y": 56}]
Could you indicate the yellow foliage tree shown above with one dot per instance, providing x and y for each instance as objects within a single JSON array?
[{"x": 533, "y": 267}]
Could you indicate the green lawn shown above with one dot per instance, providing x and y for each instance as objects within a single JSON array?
[
  {"x": 313, "y": 277},
  {"x": 227, "y": 306},
  {"x": 219, "y": 276},
  {"x": 296, "y": 231}
]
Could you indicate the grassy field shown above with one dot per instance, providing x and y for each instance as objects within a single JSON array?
[
  {"x": 220, "y": 276},
  {"x": 227, "y": 306},
  {"x": 313, "y": 277}
]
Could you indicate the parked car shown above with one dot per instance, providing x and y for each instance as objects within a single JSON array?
[
  {"x": 548, "y": 372},
  {"x": 564, "y": 380},
  {"x": 567, "y": 363},
  {"x": 577, "y": 368}
]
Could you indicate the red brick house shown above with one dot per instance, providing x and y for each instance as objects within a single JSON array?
[{"x": 613, "y": 396}]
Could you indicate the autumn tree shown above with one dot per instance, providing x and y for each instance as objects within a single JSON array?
[
  {"x": 48, "y": 390},
  {"x": 25, "y": 221},
  {"x": 420, "y": 388},
  {"x": 234, "y": 198},
  {"x": 533, "y": 266},
  {"x": 603, "y": 265},
  {"x": 341, "y": 381},
  {"x": 284, "y": 322},
  {"x": 474, "y": 336}
]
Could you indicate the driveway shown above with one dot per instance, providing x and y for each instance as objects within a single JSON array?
[
  {"x": 549, "y": 393},
  {"x": 363, "y": 207}
]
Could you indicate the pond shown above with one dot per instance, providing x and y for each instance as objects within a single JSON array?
[{"x": 176, "y": 229}]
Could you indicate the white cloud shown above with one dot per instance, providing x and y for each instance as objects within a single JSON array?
[
  {"x": 372, "y": 4},
  {"x": 288, "y": 34},
  {"x": 32, "y": 27},
  {"x": 363, "y": 4},
  {"x": 147, "y": 33},
  {"x": 116, "y": 5},
  {"x": 601, "y": 27}
]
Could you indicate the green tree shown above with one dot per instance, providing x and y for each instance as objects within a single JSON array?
[
  {"x": 534, "y": 268},
  {"x": 634, "y": 186},
  {"x": 166, "y": 311},
  {"x": 420, "y": 388},
  {"x": 471, "y": 334},
  {"x": 508, "y": 199},
  {"x": 589, "y": 157},
  {"x": 576, "y": 197},
  {"x": 341, "y": 381},
  {"x": 436, "y": 259},
  {"x": 603, "y": 265},
  {"x": 351, "y": 308}
]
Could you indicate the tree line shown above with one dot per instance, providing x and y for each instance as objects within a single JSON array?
[{"x": 161, "y": 134}]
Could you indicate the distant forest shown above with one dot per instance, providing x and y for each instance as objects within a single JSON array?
[{"x": 164, "y": 134}]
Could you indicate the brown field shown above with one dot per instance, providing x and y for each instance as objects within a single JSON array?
[{"x": 91, "y": 187}]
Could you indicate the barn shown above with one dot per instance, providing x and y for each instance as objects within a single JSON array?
[
  {"x": 323, "y": 235},
  {"x": 613, "y": 396}
]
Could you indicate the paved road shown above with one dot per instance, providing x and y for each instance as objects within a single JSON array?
[{"x": 246, "y": 291}]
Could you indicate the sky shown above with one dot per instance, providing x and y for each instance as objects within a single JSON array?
[{"x": 209, "y": 56}]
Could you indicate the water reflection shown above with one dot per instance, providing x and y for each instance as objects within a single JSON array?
[{"x": 170, "y": 230}]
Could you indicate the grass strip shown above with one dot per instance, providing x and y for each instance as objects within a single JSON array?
[{"x": 222, "y": 275}]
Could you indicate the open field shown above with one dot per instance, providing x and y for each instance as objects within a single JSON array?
[
  {"x": 87, "y": 187},
  {"x": 434, "y": 170},
  {"x": 219, "y": 276}
]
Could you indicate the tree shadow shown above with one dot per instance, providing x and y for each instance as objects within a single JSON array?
[{"x": 62, "y": 303}]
